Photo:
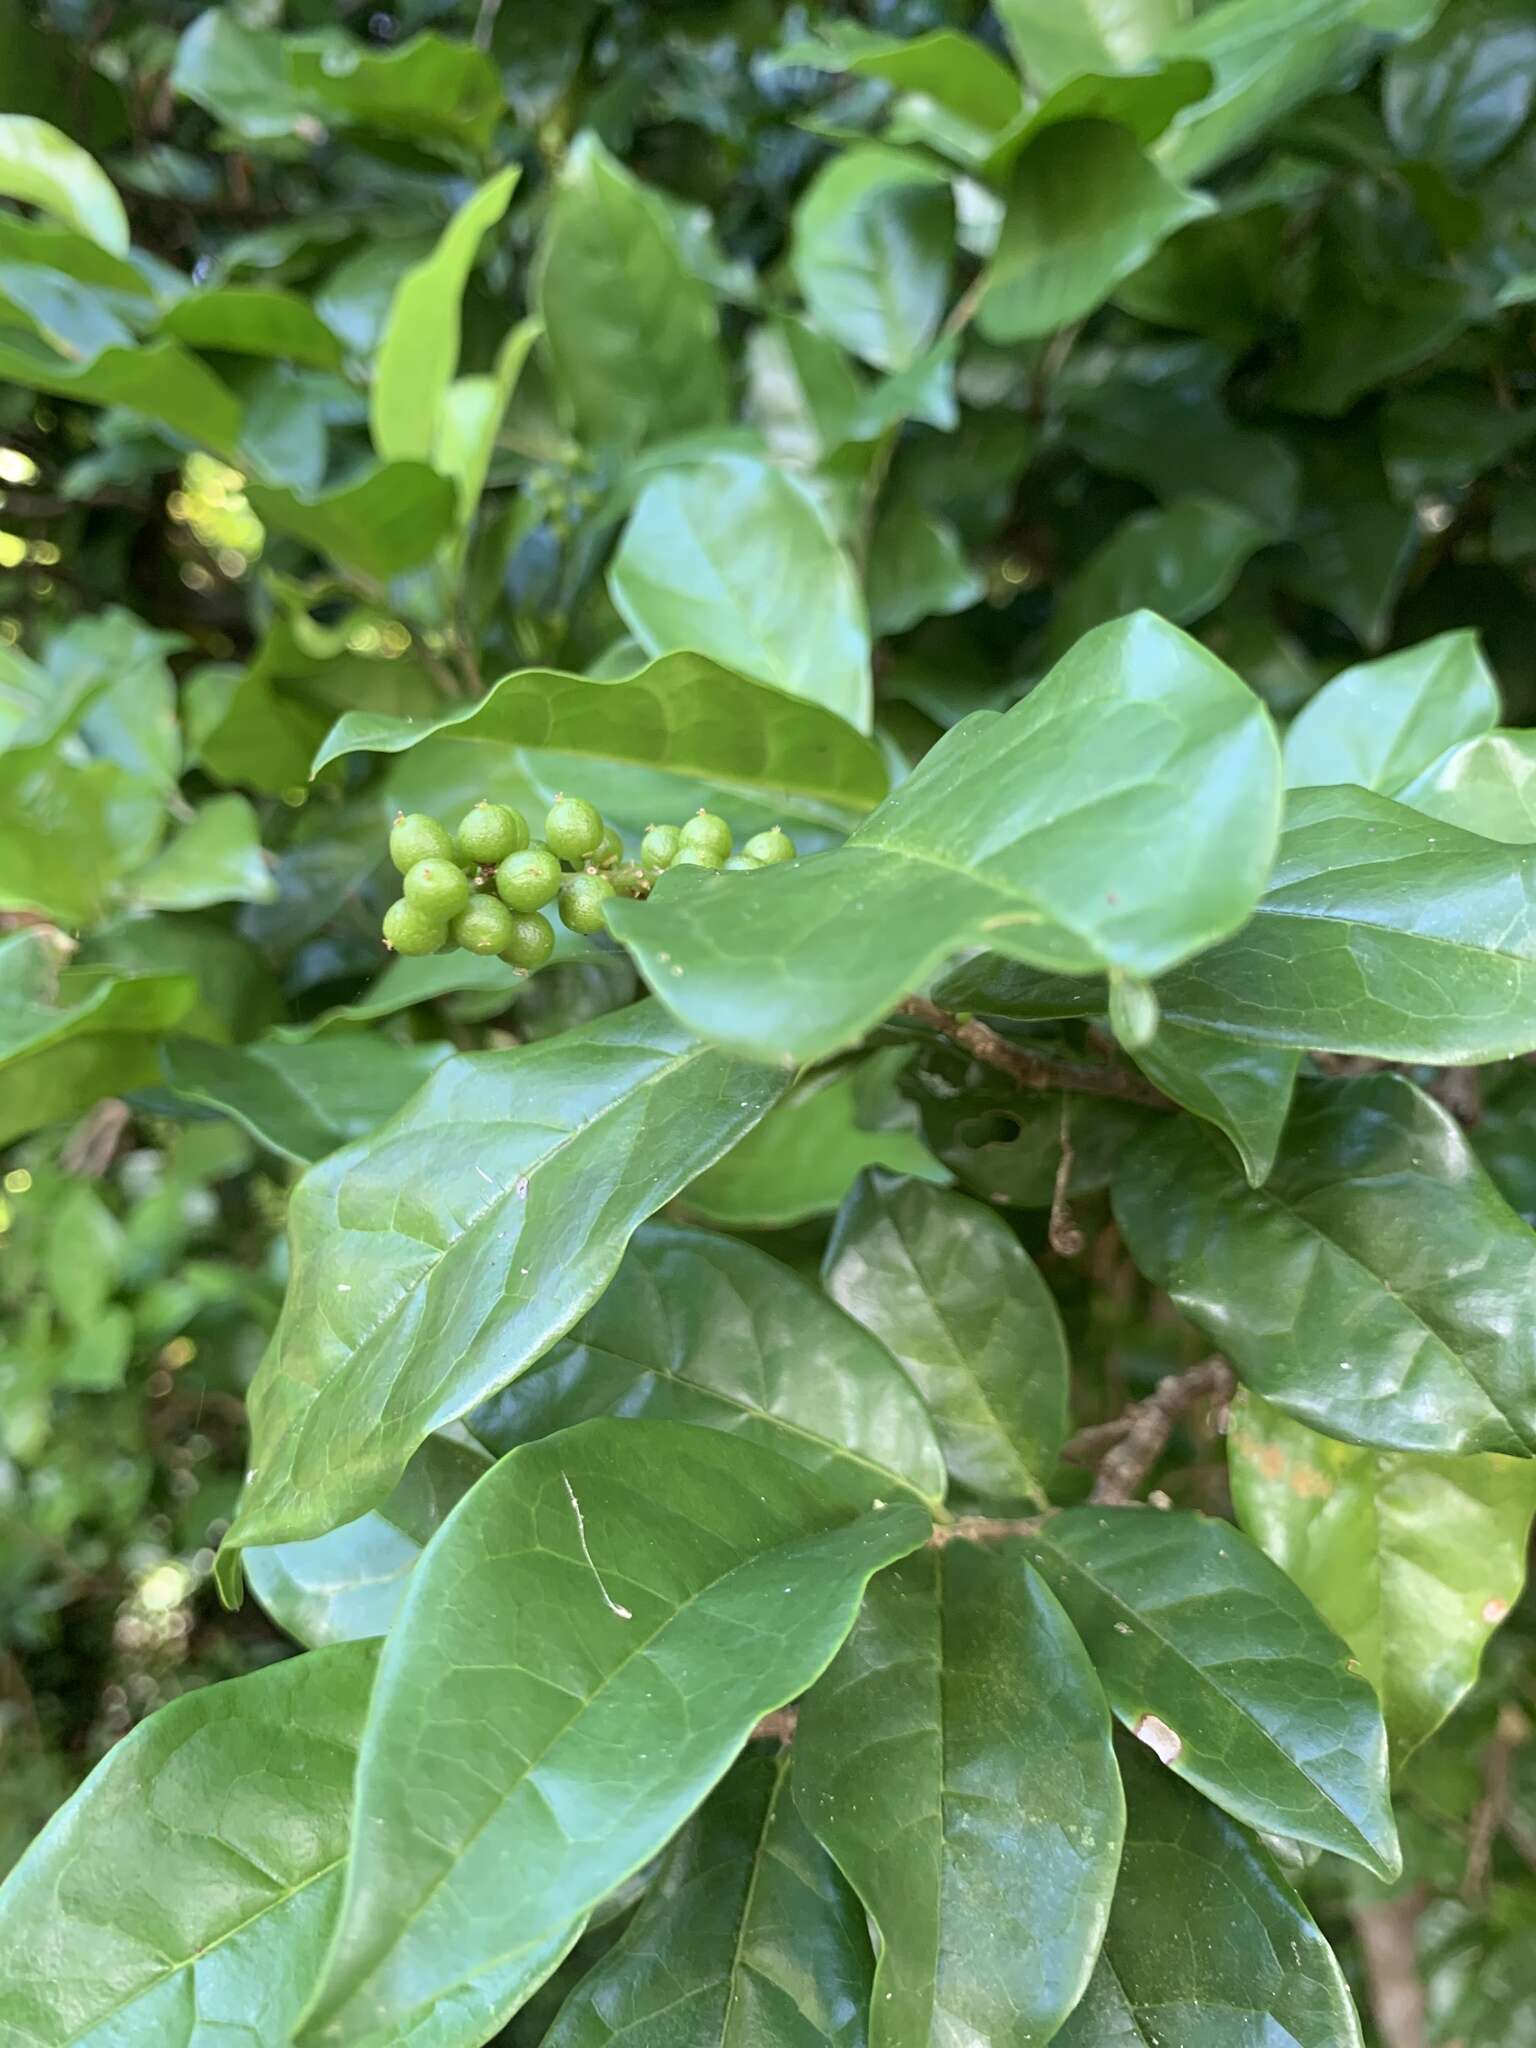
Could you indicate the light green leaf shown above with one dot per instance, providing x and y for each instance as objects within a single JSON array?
[
  {"x": 1374, "y": 1287},
  {"x": 1205, "y": 1936},
  {"x": 527, "y": 1172},
  {"x": 1213, "y": 1659},
  {"x": 957, "y": 1762},
  {"x": 1085, "y": 208},
  {"x": 253, "y": 320},
  {"x": 872, "y": 244},
  {"x": 419, "y": 348},
  {"x": 747, "y": 1934},
  {"x": 705, "y": 559},
  {"x": 1055, "y": 40},
  {"x": 702, "y": 1329},
  {"x": 47, "y": 170},
  {"x": 1122, "y": 815},
  {"x": 216, "y": 857},
  {"x": 633, "y": 336},
  {"x": 1486, "y": 785},
  {"x": 949, "y": 1290},
  {"x": 1244, "y": 1090},
  {"x": 1179, "y": 560},
  {"x": 683, "y": 712},
  {"x": 69, "y": 830},
  {"x": 644, "y": 1562},
  {"x": 1382, "y": 723},
  {"x": 386, "y": 521},
  {"x": 1414, "y": 1560},
  {"x": 470, "y": 416},
  {"x": 955, "y": 72},
  {"x": 160, "y": 379}
]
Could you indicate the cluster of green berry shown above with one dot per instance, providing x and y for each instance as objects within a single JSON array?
[{"x": 485, "y": 886}]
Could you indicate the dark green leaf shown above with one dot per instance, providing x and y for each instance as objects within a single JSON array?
[
  {"x": 255, "y": 321},
  {"x": 159, "y": 379},
  {"x": 1244, "y": 1090},
  {"x": 1457, "y": 95},
  {"x": 388, "y": 520},
  {"x": 1179, "y": 560},
  {"x": 917, "y": 570}
]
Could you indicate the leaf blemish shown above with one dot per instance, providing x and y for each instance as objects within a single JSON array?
[
  {"x": 581, "y": 1534},
  {"x": 1164, "y": 1744}
]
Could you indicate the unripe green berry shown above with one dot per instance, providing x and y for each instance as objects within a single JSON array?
[
  {"x": 418, "y": 837},
  {"x": 710, "y": 832},
  {"x": 437, "y": 887},
  {"x": 698, "y": 857},
  {"x": 411, "y": 931},
  {"x": 739, "y": 862},
  {"x": 771, "y": 846},
  {"x": 490, "y": 832},
  {"x": 574, "y": 828},
  {"x": 609, "y": 849},
  {"x": 581, "y": 902},
  {"x": 528, "y": 880},
  {"x": 532, "y": 940},
  {"x": 658, "y": 849},
  {"x": 629, "y": 879},
  {"x": 483, "y": 926}
]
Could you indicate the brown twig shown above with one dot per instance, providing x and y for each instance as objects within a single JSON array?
[
  {"x": 1385, "y": 1930},
  {"x": 1492, "y": 1808},
  {"x": 778, "y": 1726},
  {"x": 92, "y": 1145},
  {"x": 1033, "y": 1069},
  {"x": 1150, "y": 1424},
  {"x": 1062, "y": 1233}
]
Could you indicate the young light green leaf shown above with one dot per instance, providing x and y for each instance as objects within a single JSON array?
[
  {"x": 749, "y": 1933},
  {"x": 632, "y": 334},
  {"x": 216, "y": 857},
  {"x": 433, "y": 1261},
  {"x": 682, "y": 712},
  {"x": 383, "y": 522},
  {"x": 1171, "y": 1607},
  {"x": 470, "y": 415},
  {"x": 419, "y": 348},
  {"x": 1057, "y": 40},
  {"x": 47, "y": 170},
  {"x": 704, "y": 559},
  {"x": 957, "y": 1762},
  {"x": 1486, "y": 785},
  {"x": 699, "y": 1328},
  {"x": 1414, "y": 1560},
  {"x": 1187, "y": 1871},
  {"x": 588, "y": 1587},
  {"x": 975, "y": 89},
  {"x": 1124, "y": 814},
  {"x": 1375, "y": 1287},
  {"x": 948, "y": 1289},
  {"x": 1244, "y": 1090},
  {"x": 873, "y": 241},
  {"x": 1381, "y": 724}
]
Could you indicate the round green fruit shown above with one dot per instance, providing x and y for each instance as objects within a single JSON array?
[
  {"x": 411, "y": 931},
  {"x": 418, "y": 837},
  {"x": 437, "y": 888},
  {"x": 710, "y": 833},
  {"x": 610, "y": 848},
  {"x": 528, "y": 880},
  {"x": 658, "y": 849},
  {"x": 581, "y": 902},
  {"x": 574, "y": 828},
  {"x": 698, "y": 857},
  {"x": 490, "y": 832},
  {"x": 740, "y": 862},
  {"x": 532, "y": 940},
  {"x": 770, "y": 847},
  {"x": 483, "y": 926}
]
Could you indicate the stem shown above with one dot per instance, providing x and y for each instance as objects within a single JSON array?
[
  {"x": 1150, "y": 1424},
  {"x": 1385, "y": 1933},
  {"x": 1032, "y": 1069}
]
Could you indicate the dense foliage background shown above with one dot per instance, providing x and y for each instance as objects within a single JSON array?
[{"x": 764, "y": 390}]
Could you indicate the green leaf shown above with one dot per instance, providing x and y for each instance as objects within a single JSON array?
[
  {"x": 1206, "y": 1937},
  {"x": 192, "y": 1880},
  {"x": 1382, "y": 723},
  {"x": 419, "y": 348},
  {"x": 348, "y": 1585},
  {"x": 47, "y": 170},
  {"x": 647, "y": 1564},
  {"x": 386, "y": 521},
  {"x": 527, "y": 1171},
  {"x": 1381, "y": 932},
  {"x": 253, "y": 320},
  {"x": 699, "y": 1328},
  {"x": 304, "y": 1098},
  {"x": 470, "y": 415},
  {"x": 69, "y": 829},
  {"x": 1373, "y": 1287},
  {"x": 1055, "y": 40},
  {"x": 1414, "y": 1560},
  {"x": 808, "y": 1151},
  {"x": 1122, "y": 815},
  {"x": 216, "y": 857},
  {"x": 1086, "y": 207},
  {"x": 1457, "y": 95},
  {"x": 1501, "y": 1138},
  {"x": 748, "y": 1933},
  {"x": 948, "y": 1289},
  {"x": 1213, "y": 1659},
  {"x": 682, "y": 712},
  {"x": 955, "y": 72},
  {"x": 1244, "y": 1090},
  {"x": 160, "y": 379},
  {"x": 1179, "y": 560},
  {"x": 704, "y": 561},
  {"x": 873, "y": 241},
  {"x": 956, "y": 1760},
  {"x": 633, "y": 336},
  {"x": 917, "y": 570},
  {"x": 1486, "y": 785}
]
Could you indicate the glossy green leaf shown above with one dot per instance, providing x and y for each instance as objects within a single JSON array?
[
  {"x": 1086, "y": 207},
  {"x": 348, "y": 1585},
  {"x": 1375, "y": 1287},
  {"x": 748, "y": 1935},
  {"x": 957, "y": 1762},
  {"x": 1413, "y": 1560},
  {"x": 526, "y": 1172},
  {"x": 632, "y": 334},
  {"x": 948, "y": 1289},
  {"x": 419, "y": 348},
  {"x": 1179, "y": 560},
  {"x": 304, "y": 1098},
  {"x": 955, "y": 72},
  {"x": 1055, "y": 40},
  {"x": 873, "y": 244},
  {"x": 1486, "y": 785},
  {"x": 917, "y": 570},
  {"x": 1501, "y": 1138},
  {"x": 159, "y": 378},
  {"x": 808, "y": 1151},
  {"x": 683, "y": 712},
  {"x": 47, "y": 170},
  {"x": 1244, "y": 1090},
  {"x": 1457, "y": 95},
  {"x": 704, "y": 559},
  {"x": 702, "y": 1329},
  {"x": 216, "y": 857},
  {"x": 1382, "y": 723},
  {"x": 388, "y": 520},
  {"x": 186, "y": 1892},
  {"x": 1207, "y": 1946},
  {"x": 256, "y": 321},
  {"x": 1213, "y": 1659},
  {"x": 1122, "y": 815},
  {"x": 646, "y": 1564},
  {"x": 1381, "y": 932}
]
